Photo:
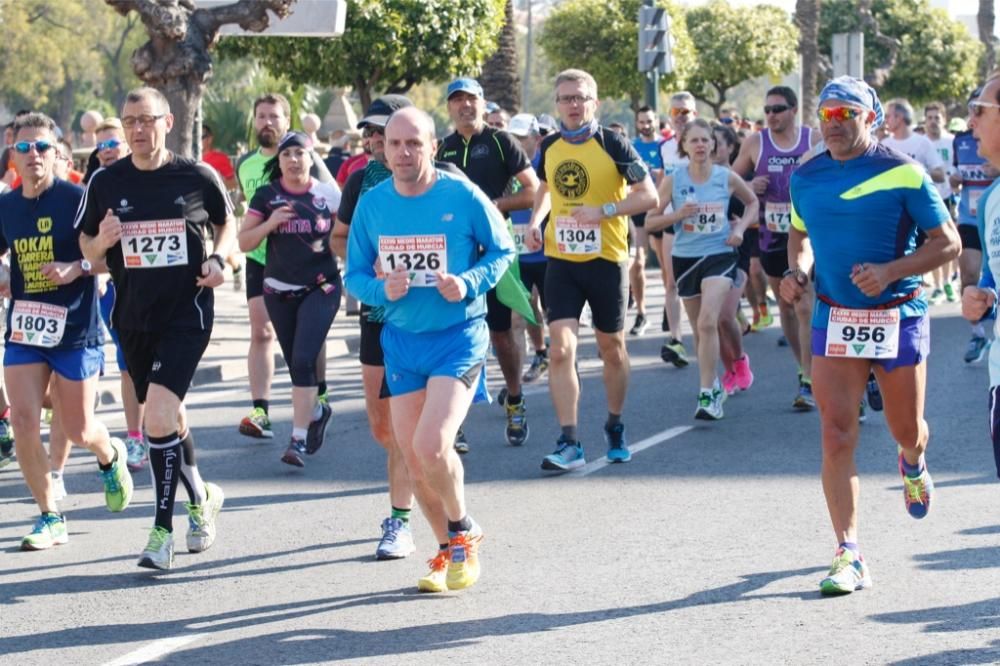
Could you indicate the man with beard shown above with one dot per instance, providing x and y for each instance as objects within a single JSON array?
[{"x": 271, "y": 114}]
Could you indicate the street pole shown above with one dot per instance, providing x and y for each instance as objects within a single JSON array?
[{"x": 652, "y": 79}]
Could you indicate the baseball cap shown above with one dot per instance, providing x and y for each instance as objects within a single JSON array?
[
  {"x": 957, "y": 125},
  {"x": 492, "y": 107},
  {"x": 379, "y": 111},
  {"x": 547, "y": 123},
  {"x": 523, "y": 124},
  {"x": 465, "y": 84}
]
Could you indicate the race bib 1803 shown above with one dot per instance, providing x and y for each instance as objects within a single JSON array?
[
  {"x": 710, "y": 218},
  {"x": 573, "y": 237},
  {"x": 155, "y": 243},
  {"x": 421, "y": 256},
  {"x": 37, "y": 324},
  {"x": 863, "y": 333},
  {"x": 778, "y": 216}
]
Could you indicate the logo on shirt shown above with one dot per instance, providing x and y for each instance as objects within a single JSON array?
[
  {"x": 179, "y": 201},
  {"x": 447, "y": 217},
  {"x": 571, "y": 179},
  {"x": 319, "y": 203},
  {"x": 479, "y": 151},
  {"x": 123, "y": 207},
  {"x": 44, "y": 225}
]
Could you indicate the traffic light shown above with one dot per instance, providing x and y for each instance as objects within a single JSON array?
[{"x": 654, "y": 40}]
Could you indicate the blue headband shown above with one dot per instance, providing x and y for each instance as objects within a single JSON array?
[{"x": 854, "y": 91}]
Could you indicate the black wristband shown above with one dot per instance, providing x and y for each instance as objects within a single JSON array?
[{"x": 218, "y": 260}]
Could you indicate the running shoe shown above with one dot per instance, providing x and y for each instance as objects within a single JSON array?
[
  {"x": 159, "y": 550},
  {"x": 238, "y": 279},
  {"x": 294, "y": 453},
  {"x": 463, "y": 553},
  {"x": 6, "y": 443},
  {"x": 201, "y": 519},
  {"x": 873, "y": 394},
  {"x": 729, "y": 382},
  {"x": 117, "y": 480},
  {"x": 136, "y": 448},
  {"x": 567, "y": 456},
  {"x": 763, "y": 321},
  {"x": 847, "y": 574},
  {"x": 673, "y": 352},
  {"x": 782, "y": 341},
  {"x": 58, "y": 486},
  {"x": 539, "y": 365},
  {"x": 617, "y": 444},
  {"x": 517, "y": 423},
  {"x": 317, "y": 428},
  {"x": 49, "y": 530},
  {"x": 804, "y": 401},
  {"x": 976, "y": 349},
  {"x": 742, "y": 374},
  {"x": 256, "y": 424},
  {"x": 917, "y": 490},
  {"x": 936, "y": 296},
  {"x": 436, "y": 579},
  {"x": 461, "y": 443},
  {"x": 949, "y": 293},
  {"x": 640, "y": 325},
  {"x": 710, "y": 405},
  {"x": 396, "y": 542}
]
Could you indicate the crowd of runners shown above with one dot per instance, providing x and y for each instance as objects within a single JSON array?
[{"x": 458, "y": 246}]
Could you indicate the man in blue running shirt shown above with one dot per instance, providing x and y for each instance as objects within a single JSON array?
[
  {"x": 414, "y": 248},
  {"x": 860, "y": 205}
]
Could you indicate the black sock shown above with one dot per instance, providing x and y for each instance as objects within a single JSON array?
[
  {"x": 260, "y": 403},
  {"x": 463, "y": 525},
  {"x": 513, "y": 399},
  {"x": 105, "y": 468},
  {"x": 569, "y": 432},
  {"x": 165, "y": 463},
  {"x": 442, "y": 546},
  {"x": 321, "y": 388},
  {"x": 190, "y": 476},
  {"x": 613, "y": 419}
]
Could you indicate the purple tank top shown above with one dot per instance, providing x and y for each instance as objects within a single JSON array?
[{"x": 775, "y": 203}]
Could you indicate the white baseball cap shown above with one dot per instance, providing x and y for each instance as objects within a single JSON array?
[{"x": 523, "y": 124}]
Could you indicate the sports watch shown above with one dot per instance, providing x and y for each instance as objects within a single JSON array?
[
  {"x": 609, "y": 209},
  {"x": 86, "y": 267}
]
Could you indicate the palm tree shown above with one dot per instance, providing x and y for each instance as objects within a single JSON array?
[
  {"x": 986, "y": 21},
  {"x": 807, "y": 18},
  {"x": 499, "y": 78}
]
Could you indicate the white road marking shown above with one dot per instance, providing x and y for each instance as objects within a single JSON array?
[
  {"x": 155, "y": 650},
  {"x": 641, "y": 445}
]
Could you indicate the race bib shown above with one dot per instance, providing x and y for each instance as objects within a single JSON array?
[
  {"x": 778, "y": 216},
  {"x": 974, "y": 196},
  {"x": 421, "y": 256},
  {"x": 863, "y": 333},
  {"x": 520, "y": 234},
  {"x": 37, "y": 324},
  {"x": 155, "y": 244},
  {"x": 710, "y": 218},
  {"x": 574, "y": 237}
]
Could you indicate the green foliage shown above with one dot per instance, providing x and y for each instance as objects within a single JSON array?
[
  {"x": 738, "y": 43},
  {"x": 938, "y": 56},
  {"x": 387, "y": 46},
  {"x": 602, "y": 37}
]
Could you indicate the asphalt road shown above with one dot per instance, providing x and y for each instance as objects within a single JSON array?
[{"x": 706, "y": 548}]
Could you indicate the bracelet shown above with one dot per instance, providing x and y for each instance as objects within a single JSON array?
[{"x": 218, "y": 260}]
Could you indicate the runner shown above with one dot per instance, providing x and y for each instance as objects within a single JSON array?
[
  {"x": 491, "y": 158},
  {"x": 860, "y": 204},
  {"x": 592, "y": 179},
  {"x": 705, "y": 256},
  {"x": 770, "y": 157},
  {"x": 146, "y": 215},
  {"x": 302, "y": 287},
  {"x": 425, "y": 229},
  {"x": 647, "y": 143},
  {"x": 53, "y": 328}
]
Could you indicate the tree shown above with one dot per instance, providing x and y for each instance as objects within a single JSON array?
[
  {"x": 499, "y": 78},
  {"x": 175, "y": 60},
  {"x": 738, "y": 43},
  {"x": 936, "y": 58},
  {"x": 387, "y": 46},
  {"x": 807, "y": 20},
  {"x": 986, "y": 22},
  {"x": 602, "y": 37}
]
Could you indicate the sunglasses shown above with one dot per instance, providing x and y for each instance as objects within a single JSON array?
[
  {"x": 110, "y": 144},
  {"x": 370, "y": 131},
  {"x": 24, "y": 147},
  {"x": 839, "y": 113},
  {"x": 727, "y": 121},
  {"x": 777, "y": 108},
  {"x": 976, "y": 107},
  {"x": 679, "y": 112}
]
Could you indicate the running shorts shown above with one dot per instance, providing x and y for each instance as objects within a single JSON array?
[
  {"x": 601, "y": 283},
  {"x": 914, "y": 343},
  {"x": 690, "y": 271},
  {"x": 411, "y": 359}
]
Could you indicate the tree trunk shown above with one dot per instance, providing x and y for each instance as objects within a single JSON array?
[
  {"x": 499, "y": 78},
  {"x": 529, "y": 55},
  {"x": 807, "y": 18},
  {"x": 986, "y": 22},
  {"x": 66, "y": 104}
]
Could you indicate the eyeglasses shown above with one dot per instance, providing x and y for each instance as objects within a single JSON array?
[
  {"x": 24, "y": 147},
  {"x": 976, "y": 107},
  {"x": 128, "y": 122},
  {"x": 776, "y": 108},
  {"x": 573, "y": 99},
  {"x": 370, "y": 131},
  {"x": 839, "y": 113},
  {"x": 110, "y": 144},
  {"x": 679, "y": 112}
]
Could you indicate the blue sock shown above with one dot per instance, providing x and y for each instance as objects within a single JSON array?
[
  {"x": 912, "y": 471},
  {"x": 851, "y": 546}
]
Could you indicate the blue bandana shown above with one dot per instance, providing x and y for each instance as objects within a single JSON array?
[
  {"x": 854, "y": 91},
  {"x": 578, "y": 135}
]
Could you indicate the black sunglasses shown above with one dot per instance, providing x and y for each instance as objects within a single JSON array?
[{"x": 777, "y": 108}]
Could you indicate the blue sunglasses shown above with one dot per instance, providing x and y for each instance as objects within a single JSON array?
[{"x": 24, "y": 147}]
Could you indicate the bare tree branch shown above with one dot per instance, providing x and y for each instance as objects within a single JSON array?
[{"x": 880, "y": 74}]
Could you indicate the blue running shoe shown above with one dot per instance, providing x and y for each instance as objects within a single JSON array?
[
  {"x": 567, "y": 456},
  {"x": 617, "y": 445},
  {"x": 917, "y": 490}
]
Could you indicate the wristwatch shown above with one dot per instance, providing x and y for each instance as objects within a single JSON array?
[
  {"x": 86, "y": 267},
  {"x": 609, "y": 209}
]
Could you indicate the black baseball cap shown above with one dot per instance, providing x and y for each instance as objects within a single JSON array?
[{"x": 379, "y": 111}]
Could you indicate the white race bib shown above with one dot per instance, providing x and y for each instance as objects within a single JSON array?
[
  {"x": 155, "y": 243},
  {"x": 520, "y": 234},
  {"x": 421, "y": 256},
  {"x": 710, "y": 218},
  {"x": 778, "y": 216},
  {"x": 574, "y": 237},
  {"x": 862, "y": 333},
  {"x": 974, "y": 196},
  {"x": 37, "y": 324}
]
